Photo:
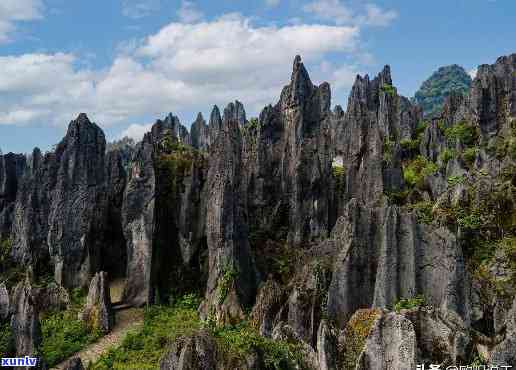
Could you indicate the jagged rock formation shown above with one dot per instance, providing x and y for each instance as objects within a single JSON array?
[
  {"x": 200, "y": 133},
  {"x": 391, "y": 344},
  {"x": 98, "y": 313},
  {"x": 390, "y": 256},
  {"x": 11, "y": 170},
  {"x": 195, "y": 352},
  {"x": 319, "y": 222},
  {"x": 24, "y": 321},
  {"x": 232, "y": 280}
]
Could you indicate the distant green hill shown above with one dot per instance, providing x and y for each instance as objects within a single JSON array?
[{"x": 444, "y": 81}]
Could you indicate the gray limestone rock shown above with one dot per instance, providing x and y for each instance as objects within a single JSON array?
[
  {"x": 24, "y": 320},
  {"x": 98, "y": 313}
]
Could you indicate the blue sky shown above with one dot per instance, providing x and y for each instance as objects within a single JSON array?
[{"x": 128, "y": 62}]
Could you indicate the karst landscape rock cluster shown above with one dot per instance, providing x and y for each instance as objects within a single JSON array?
[{"x": 370, "y": 238}]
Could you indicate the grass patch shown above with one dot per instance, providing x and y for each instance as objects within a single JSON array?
[
  {"x": 63, "y": 334},
  {"x": 410, "y": 144},
  {"x": 6, "y": 340},
  {"x": 469, "y": 156},
  {"x": 163, "y": 325},
  {"x": 388, "y": 151}
]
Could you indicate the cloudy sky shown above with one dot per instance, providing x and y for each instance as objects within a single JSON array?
[{"x": 128, "y": 62}]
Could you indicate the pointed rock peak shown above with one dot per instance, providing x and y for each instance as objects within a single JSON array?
[
  {"x": 215, "y": 116},
  {"x": 83, "y": 118},
  {"x": 199, "y": 118},
  {"x": 385, "y": 76},
  {"x": 300, "y": 76}
]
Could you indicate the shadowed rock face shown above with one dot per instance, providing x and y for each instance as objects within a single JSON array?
[
  {"x": 232, "y": 276},
  {"x": 198, "y": 352},
  {"x": 390, "y": 256},
  {"x": 24, "y": 320},
  {"x": 12, "y": 167}
]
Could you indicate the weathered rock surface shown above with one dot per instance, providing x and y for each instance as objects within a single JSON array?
[
  {"x": 4, "y": 302},
  {"x": 232, "y": 276},
  {"x": 200, "y": 133},
  {"x": 12, "y": 167},
  {"x": 391, "y": 345},
  {"x": 390, "y": 256},
  {"x": 73, "y": 364},
  {"x": 24, "y": 321},
  {"x": 504, "y": 354},
  {"x": 196, "y": 352},
  {"x": 98, "y": 313}
]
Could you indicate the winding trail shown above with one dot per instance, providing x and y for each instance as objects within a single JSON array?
[{"x": 126, "y": 320}]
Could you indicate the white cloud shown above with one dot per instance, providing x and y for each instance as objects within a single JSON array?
[
  {"x": 12, "y": 11},
  {"x": 188, "y": 12},
  {"x": 378, "y": 17},
  {"x": 139, "y": 8},
  {"x": 272, "y": 3},
  {"x": 332, "y": 10},
  {"x": 473, "y": 73},
  {"x": 337, "y": 12},
  {"x": 182, "y": 68},
  {"x": 135, "y": 131}
]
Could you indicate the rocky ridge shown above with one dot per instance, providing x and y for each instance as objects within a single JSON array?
[{"x": 368, "y": 237}]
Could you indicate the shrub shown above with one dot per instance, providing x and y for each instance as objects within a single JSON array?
[
  {"x": 410, "y": 144},
  {"x": 454, "y": 180},
  {"x": 409, "y": 303},
  {"x": 229, "y": 274},
  {"x": 470, "y": 155},
  {"x": 356, "y": 333},
  {"x": 463, "y": 132},
  {"x": 388, "y": 151},
  {"x": 416, "y": 170},
  {"x": 446, "y": 155},
  {"x": 389, "y": 89},
  {"x": 420, "y": 128},
  {"x": 423, "y": 211}
]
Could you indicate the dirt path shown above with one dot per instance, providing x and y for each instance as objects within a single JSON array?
[{"x": 125, "y": 320}]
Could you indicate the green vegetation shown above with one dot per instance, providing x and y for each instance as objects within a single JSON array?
[
  {"x": 464, "y": 132},
  {"x": 454, "y": 180},
  {"x": 423, "y": 211},
  {"x": 470, "y": 155},
  {"x": 446, "y": 155},
  {"x": 442, "y": 83},
  {"x": 163, "y": 325},
  {"x": 6, "y": 246},
  {"x": 229, "y": 274},
  {"x": 410, "y": 144},
  {"x": 415, "y": 171},
  {"x": 420, "y": 128},
  {"x": 63, "y": 334},
  {"x": 339, "y": 175},
  {"x": 409, "y": 303},
  {"x": 6, "y": 340},
  {"x": 388, "y": 151},
  {"x": 235, "y": 342},
  {"x": 356, "y": 333},
  {"x": 389, "y": 90}
]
